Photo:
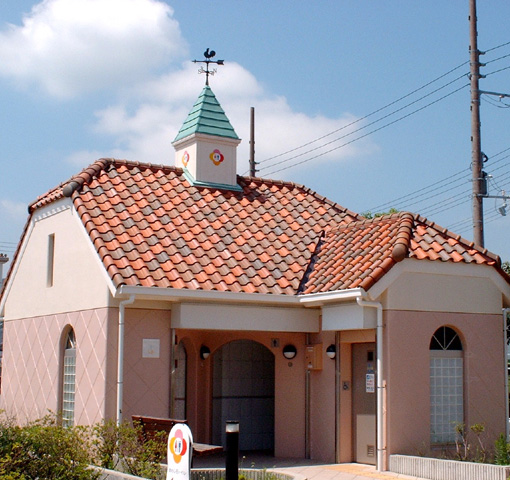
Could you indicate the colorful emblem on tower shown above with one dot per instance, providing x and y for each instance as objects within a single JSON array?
[
  {"x": 178, "y": 446},
  {"x": 185, "y": 158},
  {"x": 217, "y": 157}
]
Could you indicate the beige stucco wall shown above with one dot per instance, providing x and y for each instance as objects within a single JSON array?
[
  {"x": 79, "y": 283},
  {"x": 443, "y": 287},
  {"x": 31, "y": 373},
  {"x": 322, "y": 403},
  {"x": 407, "y": 372}
]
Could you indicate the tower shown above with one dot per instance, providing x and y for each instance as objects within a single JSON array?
[{"x": 206, "y": 145}]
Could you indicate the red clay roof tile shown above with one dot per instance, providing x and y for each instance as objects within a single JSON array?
[{"x": 152, "y": 228}]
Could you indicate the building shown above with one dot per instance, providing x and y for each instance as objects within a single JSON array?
[{"x": 188, "y": 291}]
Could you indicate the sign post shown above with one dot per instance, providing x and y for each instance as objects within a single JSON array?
[{"x": 180, "y": 449}]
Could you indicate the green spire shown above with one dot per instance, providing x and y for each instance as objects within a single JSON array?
[{"x": 207, "y": 117}]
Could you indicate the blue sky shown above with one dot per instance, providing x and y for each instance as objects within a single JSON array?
[{"x": 84, "y": 79}]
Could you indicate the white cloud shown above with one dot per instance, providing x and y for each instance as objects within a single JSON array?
[
  {"x": 67, "y": 47},
  {"x": 144, "y": 128},
  {"x": 135, "y": 48}
]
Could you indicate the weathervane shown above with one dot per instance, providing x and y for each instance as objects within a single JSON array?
[{"x": 208, "y": 55}]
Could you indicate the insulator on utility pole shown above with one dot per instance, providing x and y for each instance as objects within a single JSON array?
[{"x": 476, "y": 149}]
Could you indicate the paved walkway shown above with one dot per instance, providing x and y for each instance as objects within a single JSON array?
[
  {"x": 306, "y": 469},
  {"x": 344, "y": 471}
]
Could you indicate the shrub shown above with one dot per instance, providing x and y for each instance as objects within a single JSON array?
[
  {"x": 122, "y": 447},
  {"x": 502, "y": 451},
  {"x": 44, "y": 449}
]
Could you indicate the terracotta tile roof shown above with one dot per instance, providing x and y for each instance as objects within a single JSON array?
[
  {"x": 152, "y": 228},
  {"x": 360, "y": 253}
]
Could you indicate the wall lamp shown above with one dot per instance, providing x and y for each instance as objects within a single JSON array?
[
  {"x": 204, "y": 352},
  {"x": 331, "y": 351},
  {"x": 289, "y": 351}
]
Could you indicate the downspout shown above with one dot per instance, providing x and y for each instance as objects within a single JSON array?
[
  {"x": 380, "y": 386},
  {"x": 507, "y": 420},
  {"x": 308, "y": 449},
  {"x": 120, "y": 357}
]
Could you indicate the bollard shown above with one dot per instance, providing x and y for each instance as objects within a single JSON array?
[{"x": 232, "y": 443}]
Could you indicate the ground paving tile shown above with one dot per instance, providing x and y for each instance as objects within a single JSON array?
[{"x": 305, "y": 469}]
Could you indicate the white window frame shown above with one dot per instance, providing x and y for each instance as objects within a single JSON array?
[
  {"x": 446, "y": 393},
  {"x": 69, "y": 379}
]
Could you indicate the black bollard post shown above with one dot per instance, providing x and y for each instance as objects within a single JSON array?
[{"x": 232, "y": 457}]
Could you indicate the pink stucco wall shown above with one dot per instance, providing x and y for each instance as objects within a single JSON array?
[
  {"x": 146, "y": 380},
  {"x": 407, "y": 372},
  {"x": 289, "y": 385},
  {"x": 32, "y": 365}
]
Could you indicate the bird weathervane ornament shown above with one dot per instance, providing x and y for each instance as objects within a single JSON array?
[{"x": 208, "y": 55}]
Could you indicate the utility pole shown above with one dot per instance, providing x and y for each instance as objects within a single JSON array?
[
  {"x": 476, "y": 149},
  {"x": 253, "y": 169}
]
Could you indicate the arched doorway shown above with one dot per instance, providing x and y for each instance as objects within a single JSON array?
[
  {"x": 180, "y": 382},
  {"x": 243, "y": 389}
]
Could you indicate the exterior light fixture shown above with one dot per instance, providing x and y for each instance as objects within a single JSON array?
[
  {"x": 232, "y": 450},
  {"x": 502, "y": 209},
  {"x": 289, "y": 351},
  {"x": 204, "y": 352},
  {"x": 331, "y": 351}
]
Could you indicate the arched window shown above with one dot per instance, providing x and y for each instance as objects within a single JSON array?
[
  {"x": 69, "y": 379},
  {"x": 446, "y": 385}
]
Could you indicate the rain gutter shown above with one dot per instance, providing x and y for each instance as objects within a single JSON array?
[
  {"x": 120, "y": 356},
  {"x": 180, "y": 295}
]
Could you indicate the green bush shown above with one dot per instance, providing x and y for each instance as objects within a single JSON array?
[
  {"x": 44, "y": 449},
  {"x": 502, "y": 451},
  {"x": 122, "y": 447}
]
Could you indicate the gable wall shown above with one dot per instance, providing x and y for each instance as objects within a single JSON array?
[
  {"x": 443, "y": 287},
  {"x": 78, "y": 280}
]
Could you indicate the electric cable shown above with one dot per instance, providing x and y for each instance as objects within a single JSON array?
[
  {"x": 366, "y": 134},
  {"x": 435, "y": 185},
  {"x": 495, "y": 48},
  {"x": 361, "y": 128},
  {"x": 497, "y": 71},
  {"x": 368, "y": 115}
]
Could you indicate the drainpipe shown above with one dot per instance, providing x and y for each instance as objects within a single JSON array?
[
  {"x": 120, "y": 357},
  {"x": 380, "y": 386},
  {"x": 507, "y": 429},
  {"x": 308, "y": 449}
]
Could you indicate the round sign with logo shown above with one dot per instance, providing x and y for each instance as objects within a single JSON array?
[{"x": 180, "y": 446}]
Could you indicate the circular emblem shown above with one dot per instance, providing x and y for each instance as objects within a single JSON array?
[
  {"x": 185, "y": 158},
  {"x": 178, "y": 446},
  {"x": 216, "y": 157}
]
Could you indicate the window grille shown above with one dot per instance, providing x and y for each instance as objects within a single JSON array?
[{"x": 446, "y": 385}]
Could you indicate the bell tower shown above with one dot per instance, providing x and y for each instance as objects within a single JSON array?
[{"x": 206, "y": 145}]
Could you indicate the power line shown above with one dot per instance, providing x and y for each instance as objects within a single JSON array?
[
  {"x": 367, "y": 134},
  {"x": 370, "y": 114},
  {"x": 495, "y": 48},
  {"x": 365, "y": 126},
  {"x": 436, "y": 185}
]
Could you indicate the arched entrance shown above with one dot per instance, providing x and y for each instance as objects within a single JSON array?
[
  {"x": 243, "y": 389},
  {"x": 180, "y": 382}
]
